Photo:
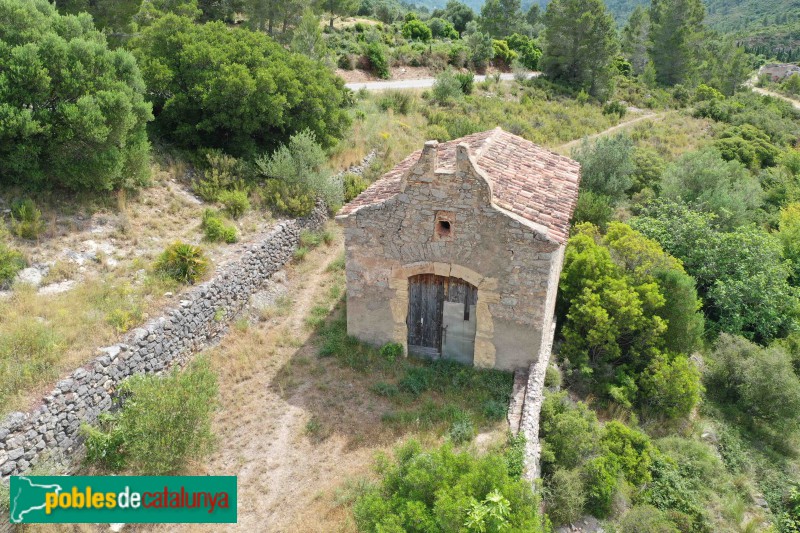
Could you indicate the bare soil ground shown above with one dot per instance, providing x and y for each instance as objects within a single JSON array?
[{"x": 294, "y": 427}]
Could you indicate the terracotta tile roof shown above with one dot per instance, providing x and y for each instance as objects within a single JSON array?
[{"x": 527, "y": 180}]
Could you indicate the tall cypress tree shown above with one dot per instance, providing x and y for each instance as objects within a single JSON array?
[
  {"x": 580, "y": 43},
  {"x": 675, "y": 31}
]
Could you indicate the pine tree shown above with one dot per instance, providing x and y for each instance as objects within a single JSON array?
[
  {"x": 634, "y": 39},
  {"x": 676, "y": 26},
  {"x": 580, "y": 44}
]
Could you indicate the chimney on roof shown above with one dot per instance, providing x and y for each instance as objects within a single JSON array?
[{"x": 425, "y": 167}]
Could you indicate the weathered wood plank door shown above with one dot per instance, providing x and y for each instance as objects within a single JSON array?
[
  {"x": 441, "y": 317},
  {"x": 424, "y": 321}
]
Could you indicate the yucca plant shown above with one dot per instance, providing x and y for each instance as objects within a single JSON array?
[{"x": 182, "y": 262}]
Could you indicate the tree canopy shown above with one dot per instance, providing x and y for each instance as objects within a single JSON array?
[
  {"x": 580, "y": 44},
  {"x": 72, "y": 112},
  {"x": 237, "y": 90}
]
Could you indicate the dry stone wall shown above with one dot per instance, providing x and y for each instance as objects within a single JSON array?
[{"x": 53, "y": 426}]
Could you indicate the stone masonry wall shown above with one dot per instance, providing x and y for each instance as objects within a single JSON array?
[
  {"x": 53, "y": 426},
  {"x": 508, "y": 259}
]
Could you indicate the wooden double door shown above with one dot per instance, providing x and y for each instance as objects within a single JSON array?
[{"x": 441, "y": 317}]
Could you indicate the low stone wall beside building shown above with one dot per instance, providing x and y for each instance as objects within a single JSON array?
[{"x": 204, "y": 312}]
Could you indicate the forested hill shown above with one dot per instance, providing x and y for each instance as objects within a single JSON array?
[{"x": 750, "y": 16}]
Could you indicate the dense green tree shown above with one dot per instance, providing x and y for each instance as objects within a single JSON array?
[
  {"x": 606, "y": 165},
  {"x": 416, "y": 30},
  {"x": 580, "y": 45},
  {"x": 741, "y": 275},
  {"x": 442, "y": 29},
  {"x": 459, "y": 14},
  {"x": 72, "y": 112},
  {"x": 726, "y": 65},
  {"x": 152, "y": 10},
  {"x": 235, "y": 89},
  {"x": 264, "y": 15},
  {"x": 307, "y": 38},
  {"x": 107, "y": 14},
  {"x": 761, "y": 382},
  {"x": 500, "y": 17},
  {"x": 533, "y": 14},
  {"x": 709, "y": 183},
  {"x": 527, "y": 50},
  {"x": 749, "y": 145},
  {"x": 480, "y": 46},
  {"x": 635, "y": 36},
  {"x": 675, "y": 31},
  {"x": 614, "y": 332}
]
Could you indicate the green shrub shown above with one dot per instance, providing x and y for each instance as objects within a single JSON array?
[
  {"x": 760, "y": 382},
  {"x": 602, "y": 481},
  {"x": 215, "y": 229},
  {"x": 182, "y": 262},
  {"x": 570, "y": 432},
  {"x": 646, "y": 519},
  {"x": 615, "y": 108},
  {"x": 416, "y": 30},
  {"x": 222, "y": 173},
  {"x": 502, "y": 52},
  {"x": 376, "y": 54},
  {"x": 446, "y": 88},
  {"x": 466, "y": 80},
  {"x": 241, "y": 112},
  {"x": 671, "y": 386},
  {"x": 295, "y": 177},
  {"x": 26, "y": 219},
  {"x": 391, "y": 351},
  {"x": 552, "y": 377},
  {"x": 704, "y": 92},
  {"x": 593, "y": 208},
  {"x": 440, "y": 490},
  {"x": 399, "y": 101},
  {"x": 301, "y": 253},
  {"x": 11, "y": 262},
  {"x": 236, "y": 202},
  {"x": 515, "y": 454},
  {"x": 105, "y": 443},
  {"x": 389, "y": 390},
  {"x": 353, "y": 186},
  {"x": 164, "y": 422},
  {"x": 293, "y": 200},
  {"x": 494, "y": 409},
  {"x": 606, "y": 165},
  {"x": 462, "y": 429},
  {"x": 565, "y": 496}
]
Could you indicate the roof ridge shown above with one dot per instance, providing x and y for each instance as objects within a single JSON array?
[{"x": 490, "y": 139}]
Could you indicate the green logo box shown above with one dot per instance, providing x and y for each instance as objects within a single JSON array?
[{"x": 122, "y": 499}]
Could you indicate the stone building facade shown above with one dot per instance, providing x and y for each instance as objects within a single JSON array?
[{"x": 457, "y": 251}]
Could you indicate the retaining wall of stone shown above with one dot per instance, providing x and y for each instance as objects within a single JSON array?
[{"x": 53, "y": 426}]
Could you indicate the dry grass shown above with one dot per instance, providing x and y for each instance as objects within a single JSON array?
[{"x": 299, "y": 431}]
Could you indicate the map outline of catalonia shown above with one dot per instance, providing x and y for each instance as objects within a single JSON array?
[{"x": 15, "y": 516}]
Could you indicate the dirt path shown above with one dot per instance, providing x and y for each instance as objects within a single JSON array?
[
  {"x": 765, "y": 92},
  {"x": 565, "y": 148},
  {"x": 420, "y": 83},
  {"x": 291, "y": 429}
]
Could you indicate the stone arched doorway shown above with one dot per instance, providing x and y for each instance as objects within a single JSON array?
[{"x": 442, "y": 318}]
